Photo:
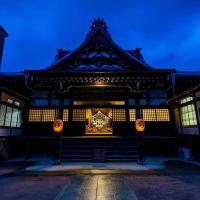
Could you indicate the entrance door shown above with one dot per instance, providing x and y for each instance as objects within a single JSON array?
[{"x": 99, "y": 121}]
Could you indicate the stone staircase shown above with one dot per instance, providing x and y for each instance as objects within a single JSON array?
[{"x": 98, "y": 149}]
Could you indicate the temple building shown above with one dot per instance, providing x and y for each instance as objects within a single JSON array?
[{"x": 98, "y": 90}]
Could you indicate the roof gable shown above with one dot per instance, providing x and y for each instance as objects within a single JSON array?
[{"x": 99, "y": 52}]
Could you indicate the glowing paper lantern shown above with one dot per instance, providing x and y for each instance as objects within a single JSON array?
[
  {"x": 58, "y": 125},
  {"x": 140, "y": 125}
]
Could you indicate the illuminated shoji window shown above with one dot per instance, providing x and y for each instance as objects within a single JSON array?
[
  {"x": 186, "y": 99},
  {"x": 119, "y": 115},
  {"x": 35, "y": 115},
  {"x": 14, "y": 117},
  {"x": 65, "y": 115},
  {"x": 78, "y": 115},
  {"x": 149, "y": 114},
  {"x": 132, "y": 115},
  {"x": 19, "y": 120},
  {"x": 8, "y": 116},
  {"x": 48, "y": 115},
  {"x": 162, "y": 115},
  {"x": 2, "y": 114},
  {"x": 188, "y": 115}
]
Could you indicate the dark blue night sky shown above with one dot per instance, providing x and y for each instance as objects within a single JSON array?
[{"x": 168, "y": 31}]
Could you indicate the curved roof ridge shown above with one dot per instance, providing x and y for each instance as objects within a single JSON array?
[{"x": 99, "y": 26}]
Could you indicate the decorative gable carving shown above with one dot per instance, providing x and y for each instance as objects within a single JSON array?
[{"x": 99, "y": 52}]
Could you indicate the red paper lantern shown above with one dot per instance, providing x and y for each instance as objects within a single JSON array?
[
  {"x": 58, "y": 125},
  {"x": 140, "y": 125}
]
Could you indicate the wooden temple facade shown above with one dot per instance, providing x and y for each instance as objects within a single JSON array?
[{"x": 98, "y": 90}]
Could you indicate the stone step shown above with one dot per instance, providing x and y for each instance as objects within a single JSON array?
[
  {"x": 99, "y": 147},
  {"x": 106, "y": 150},
  {"x": 97, "y": 144},
  {"x": 135, "y": 159},
  {"x": 98, "y": 150}
]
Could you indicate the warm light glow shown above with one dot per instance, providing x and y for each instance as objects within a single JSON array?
[
  {"x": 58, "y": 125},
  {"x": 48, "y": 115},
  {"x": 115, "y": 103},
  {"x": 98, "y": 121},
  {"x": 65, "y": 115},
  {"x": 78, "y": 115},
  {"x": 140, "y": 125},
  {"x": 156, "y": 114},
  {"x": 162, "y": 114},
  {"x": 132, "y": 115},
  {"x": 100, "y": 85},
  {"x": 119, "y": 115},
  {"x": 35, "y": 116},
  {"x": 42, "y": 115},
  {"x": 149, "y": 114}
]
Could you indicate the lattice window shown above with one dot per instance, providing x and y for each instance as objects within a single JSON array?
[
  {"x": 78, "y": 115},
  {"x": 149, "y": 114},
  {"x": 19, "y": 119},
  {"x": 119, "y": 115},
  {"x": 162, "y": 115},
  {"x": 2, "y": 114},
  {"x": 35, "y": 116},
  {"x": 132, "y": 115},
  {"x": 186, "y": 99},
  {"x": 14, "y": 117},
  {"x": 8, "y": 116},
  {"x": 65, "y": 115},
  {"x": 188, "y": 115},
  {"x": 48, "y": 115}
]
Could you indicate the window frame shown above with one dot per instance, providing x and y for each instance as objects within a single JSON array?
[
  {"x": 19, "y": 118},
  {"x": 186, "y": 104}
]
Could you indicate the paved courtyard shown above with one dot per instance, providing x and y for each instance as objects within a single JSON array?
[
  {"x": 101, "y": 187},
  {"x": 177, "y": 181}
]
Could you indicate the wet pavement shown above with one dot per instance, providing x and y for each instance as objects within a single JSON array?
[
  {"x": 101, "y": 187},
  {"x": 178, "y": 181},
  {"x": 7, "y": 168},
  {"x": 31, "y": 187}
]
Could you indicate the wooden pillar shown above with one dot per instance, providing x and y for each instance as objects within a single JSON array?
[
  {"x": 139, "y": 135},
  {"x": 26, "y": 129},
  {"x": 127, "y": 118},
  {"x": 57, "y": 143},
  {"x": 61, "y": 107}
]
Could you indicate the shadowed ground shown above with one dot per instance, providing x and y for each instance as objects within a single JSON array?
[{"x": 178, "y": 181}]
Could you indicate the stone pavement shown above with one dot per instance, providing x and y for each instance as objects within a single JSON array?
[
  {"x": 51, "y": 167},
  {"x": 14, "y": 166},
  {"x": 168, "y": 180},
  {"x": 101, "y": 187},
  {"x": 45, "y": 165},
  {"x": 97, "y": 188}
]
